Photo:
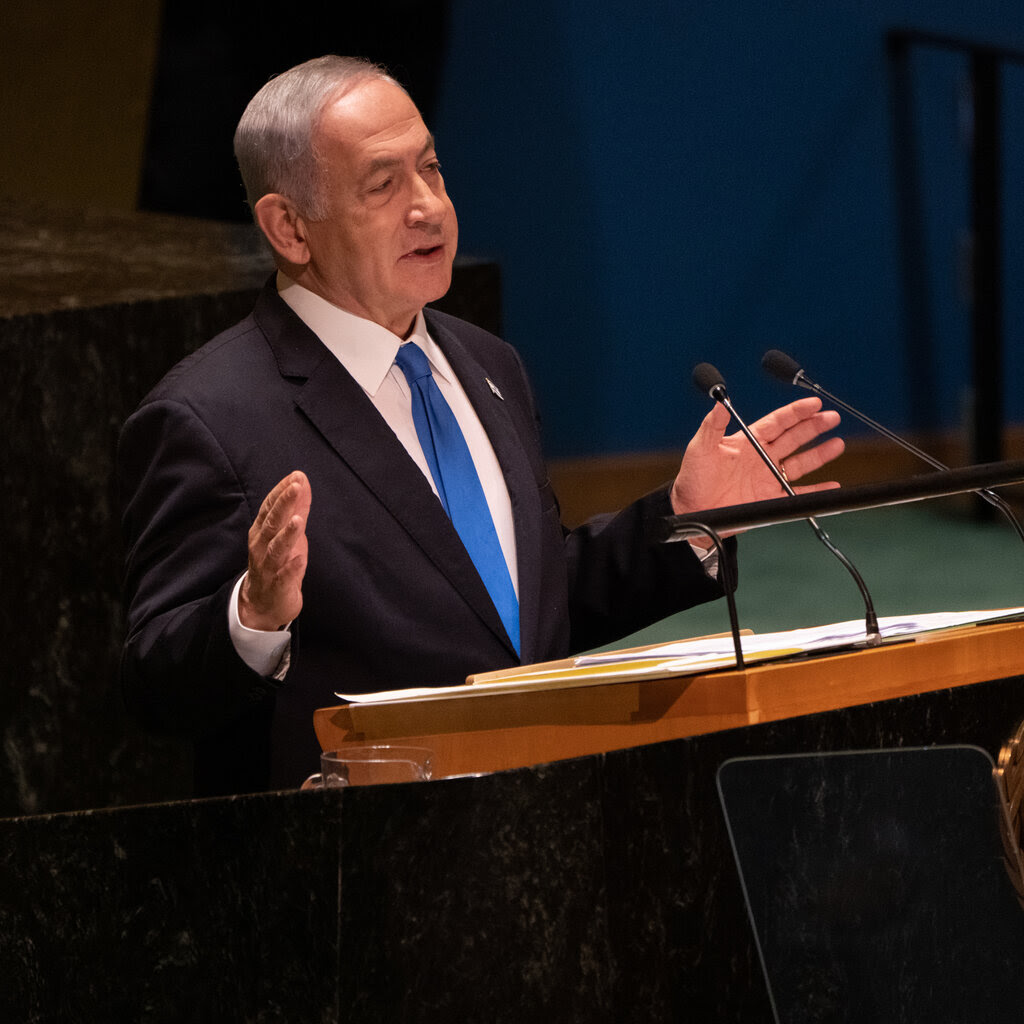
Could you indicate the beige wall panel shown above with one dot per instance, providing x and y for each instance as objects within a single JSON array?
[{"x": 75, "y": 80}]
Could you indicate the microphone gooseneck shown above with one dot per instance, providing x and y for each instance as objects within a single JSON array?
[
  {"x": 789, "y": 371},
  {"x": 728, "y": 584},
  {"x": 708, "y": 380}
]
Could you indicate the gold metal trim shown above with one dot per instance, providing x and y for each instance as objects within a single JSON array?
[{"x": 1009, "y": 776}]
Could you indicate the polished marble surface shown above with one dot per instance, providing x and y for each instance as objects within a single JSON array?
[
  {"x": 205, "y": 911},
  {"x": 94, "y": 308},
  {"x": 62, "y": 257}
]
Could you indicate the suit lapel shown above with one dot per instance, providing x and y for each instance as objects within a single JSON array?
[{"x": 342, "y": 413}]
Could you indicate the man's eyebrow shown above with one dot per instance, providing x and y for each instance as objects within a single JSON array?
[{"x": 384, "y": 163}]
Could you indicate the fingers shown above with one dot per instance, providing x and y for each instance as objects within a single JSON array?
[
  {"x": 271, "y": 595},
  {"x": 794, "y": 425},
  {"x": 785, "y": 432},
  {"x": 719, "y": 469},
  {"x": 279, "y": 530},
  {"x": 289, "y": 496},
  {"x": 771, "y": 427},
  {"x": 804, "y": 432},
  {"x": 811, "y": 459},
  {"x": 285, "y": 549},
  {"x": 710, "y": 433}
]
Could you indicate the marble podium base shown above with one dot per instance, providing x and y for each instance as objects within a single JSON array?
[{"x": 600, "y": 890}]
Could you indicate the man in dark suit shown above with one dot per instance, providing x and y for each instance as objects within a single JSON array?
[{"x": 285, "y": 533}]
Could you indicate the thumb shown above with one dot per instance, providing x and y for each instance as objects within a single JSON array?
[{"x": 713, "y": 426}]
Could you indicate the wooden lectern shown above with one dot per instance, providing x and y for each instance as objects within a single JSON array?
[
  {"x": 492, "y": 732},
  {"x": 601, "y": 889}
]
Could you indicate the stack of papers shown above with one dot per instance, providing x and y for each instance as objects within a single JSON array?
[
  {"x": 813, "y": 638},
  {"x": 688, "y": 657}
]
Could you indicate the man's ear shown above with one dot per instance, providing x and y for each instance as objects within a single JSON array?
[{"x": 284, "y": 227}]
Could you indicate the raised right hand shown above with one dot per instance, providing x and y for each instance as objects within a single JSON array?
[{"x": 271, "y": 594}]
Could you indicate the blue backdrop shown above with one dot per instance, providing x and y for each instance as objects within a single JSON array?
[{"x": 670, "y": 182}]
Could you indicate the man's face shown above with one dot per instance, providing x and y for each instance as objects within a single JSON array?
[{"x": 386, "y": 244}]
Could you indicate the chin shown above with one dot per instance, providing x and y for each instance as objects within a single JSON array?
[{"x": 439, "y": 291}]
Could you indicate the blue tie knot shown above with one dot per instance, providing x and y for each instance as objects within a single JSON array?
[{"x": 413, "y": 362}]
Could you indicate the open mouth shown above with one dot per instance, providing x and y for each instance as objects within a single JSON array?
[{"x": 426, "y": 251}]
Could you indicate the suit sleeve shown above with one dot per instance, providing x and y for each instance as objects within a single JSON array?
[
  {"x": 186, "y": 520},
  {"x": 620, "y": 577}
]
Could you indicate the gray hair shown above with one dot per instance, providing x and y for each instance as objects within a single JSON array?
[{"x": 274, "y": 138}]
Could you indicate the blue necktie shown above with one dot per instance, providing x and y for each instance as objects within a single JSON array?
[{"x": 458, "y": 485}]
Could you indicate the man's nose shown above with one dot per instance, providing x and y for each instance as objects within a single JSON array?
[{"x": 427, "y": 205}]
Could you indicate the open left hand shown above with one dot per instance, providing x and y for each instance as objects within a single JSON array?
[{"x": 719, "y": 470}]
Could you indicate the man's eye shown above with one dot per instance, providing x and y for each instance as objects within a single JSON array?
[
  {"x": 433, "y": 167},
  {"x": 382, "y": 186}
]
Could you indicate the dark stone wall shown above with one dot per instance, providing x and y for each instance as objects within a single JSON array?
[
  {"x": 600, "y": 890},
  {"x": 94, "y": 309}
]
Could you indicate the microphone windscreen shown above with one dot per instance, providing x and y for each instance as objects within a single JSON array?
[
  {"x": 706, "y": 378},
  {"x": 779, "y": 365}
]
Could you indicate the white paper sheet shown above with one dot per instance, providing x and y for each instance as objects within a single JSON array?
[
  {"x": 812, "y": 638},
  {"x": 687, "y": 657}
]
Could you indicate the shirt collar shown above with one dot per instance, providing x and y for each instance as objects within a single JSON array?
[{"x": 364, "y": 348}]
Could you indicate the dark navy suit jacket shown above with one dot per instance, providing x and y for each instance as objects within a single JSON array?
[{"x": 391, "y": 598}]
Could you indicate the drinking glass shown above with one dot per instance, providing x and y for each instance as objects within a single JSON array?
[{"x": 371, "y": 766}]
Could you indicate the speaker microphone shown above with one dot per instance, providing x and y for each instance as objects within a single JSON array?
[
  {"x": 789, "y": 371},
  {"x": 708, "y": 380}
]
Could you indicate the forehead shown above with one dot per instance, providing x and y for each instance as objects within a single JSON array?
[{"x": 372, "y": 120}]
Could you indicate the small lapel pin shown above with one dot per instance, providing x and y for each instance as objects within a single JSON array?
[{"x": 494, "y": 388}]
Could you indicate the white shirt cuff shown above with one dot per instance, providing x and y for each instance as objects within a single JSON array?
[
  {"x": 267, "y": 653},
  {"x": 708, "y": 559}
]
